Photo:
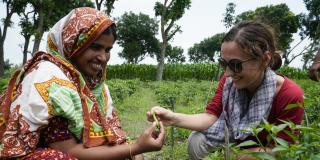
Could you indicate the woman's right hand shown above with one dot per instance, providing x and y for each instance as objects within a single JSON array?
[
  {"x": 151, "y": 140},
  {"x": 165, "y": 115}
]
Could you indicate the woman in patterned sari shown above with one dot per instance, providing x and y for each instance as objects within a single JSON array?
[{"x": 58, "y": 106}]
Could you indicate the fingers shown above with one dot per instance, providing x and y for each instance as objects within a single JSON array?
[
  {"x": 159, "y": 111},
  {"x": 313, "y": 74},
  {"x": 149, "y": 116},
  {"x": 161, "y": 135}
]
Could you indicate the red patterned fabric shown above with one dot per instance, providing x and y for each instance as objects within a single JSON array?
[
  {"x": 56, "y": 131},
  {"x": 47, "y": 154},
  {"x": 16, "y": 138}
]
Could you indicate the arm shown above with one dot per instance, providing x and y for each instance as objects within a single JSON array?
[
  {"x": 315, "y": 67},
  {"x": 147, "y": 142},
  {"x": 197, "y": 122}
]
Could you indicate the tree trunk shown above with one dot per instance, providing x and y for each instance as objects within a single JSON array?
[
  {"x": 25, "y": 49},
  {"x": 161, "y": 62},
  {"x": 1, "y": 59},
  {"x": 3, "y": 34},
  {"x": 98, "y": 3},
  {"x": 39, "y": 31}
]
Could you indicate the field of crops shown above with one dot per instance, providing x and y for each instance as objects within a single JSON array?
[
  {"x": 191, "y": 97},
  {"x": 187, "y": 89}
]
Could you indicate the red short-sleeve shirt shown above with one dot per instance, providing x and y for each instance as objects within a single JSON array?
[{"x": 289, "y": 93}]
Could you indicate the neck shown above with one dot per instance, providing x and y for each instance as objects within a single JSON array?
[{"x": 253, "y": 88}]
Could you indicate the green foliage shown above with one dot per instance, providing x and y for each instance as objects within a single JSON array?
[
  {"x": 293, "y": 73},
  {"x": 229, "y": 17},
  {"x": 310, "y": 27},
  {"x": 306, "y": 146},
  {"x": 183, "y": 72},
  {"x": 173, "y": 11},
  {"x": 311, "y": 21},
  {"x": 109, "y": 6},
  {"x": 206, "y": 50},
  {"x": 3, "y": 84},
  {"x": 312, "y": 102},
  {"x": 169, "y": 12},
  {"x": 121, "y": 89},
  {"x": 171, "y": 71},
  {"x": 283, "y": 21},
  {"x": 190, "y": 97},
  {"x": 137, "y": 36},
  {"x": 174, "y": 55}
]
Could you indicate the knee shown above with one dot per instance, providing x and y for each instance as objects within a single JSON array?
[{"x": 197, "y": 146}]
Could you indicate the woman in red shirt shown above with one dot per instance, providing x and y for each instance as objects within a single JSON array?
[{"x": 249, "y": 92}]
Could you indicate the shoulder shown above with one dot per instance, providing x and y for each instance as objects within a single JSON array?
[
  {"x": 290, "y": 88},
  {"x": 44, "y": 71},
  {"x": 289, "y": 92}
]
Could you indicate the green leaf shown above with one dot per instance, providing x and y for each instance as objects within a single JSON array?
[
  {"x": 279, "y": 148},
  {"x": 247, "y": 143},
  {"x": 316, "y": 157},
  {"x": 290, "y": 106},
  {"x": 282, "y": 142},
  {"x": 263, "y": 155},
  {"x": 276, "y": 129}
]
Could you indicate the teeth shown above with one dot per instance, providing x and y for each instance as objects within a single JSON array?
[{"x": 96, "y": 66}]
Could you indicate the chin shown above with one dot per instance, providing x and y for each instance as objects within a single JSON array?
[{"x": 239, "y": 85}]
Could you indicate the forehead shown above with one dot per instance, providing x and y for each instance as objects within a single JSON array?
[
  {"x": 105, "y": 40},
  {"x": 231, "y": 50}
]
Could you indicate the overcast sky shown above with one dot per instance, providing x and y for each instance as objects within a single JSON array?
[{"x": 202, "y": 20}]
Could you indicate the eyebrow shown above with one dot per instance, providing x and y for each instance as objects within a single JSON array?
[{"x": 95, "y": 44}]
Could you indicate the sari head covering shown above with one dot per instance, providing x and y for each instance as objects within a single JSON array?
[
  {"x": 75, "y": 32},
  {"x": 68, "y": 38}
]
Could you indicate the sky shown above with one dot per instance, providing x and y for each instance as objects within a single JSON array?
[{"x": 202, "y": 20}]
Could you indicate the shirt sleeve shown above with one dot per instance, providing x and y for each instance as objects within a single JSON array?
[
  {"x": 215, "y": 105},
  {"x": 290, "y": 93}
]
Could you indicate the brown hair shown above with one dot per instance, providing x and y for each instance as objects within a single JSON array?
[{"x": 255, "y": 38}]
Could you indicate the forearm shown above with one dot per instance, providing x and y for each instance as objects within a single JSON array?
[
  {"x": 196, "y": 122},
  {"x": 96, "y": 153},
  {"x": 317, "y": 57},
  {"x": 105, "y": 152}
]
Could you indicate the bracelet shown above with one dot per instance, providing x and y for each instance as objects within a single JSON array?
[{"x": 130, "y": 152}]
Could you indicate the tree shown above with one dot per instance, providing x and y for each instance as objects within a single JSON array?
[
  {"x": 175, "y": 55},
  {"x": 107, "y": 3},
  {"x": 310, "y": 26},
  {"x": 12, "y": 7},
  {"x": 136, "y": 34},
  {"x": 7, "y": 65},
  {"x": 27, "y": 28},
  {"x": 206, "y": 50},
  {"x": 229, "y": 17},
  {"x": 284, "y": 22},
  {"x": 169, "y": 11},
  {"x": 47, "y": 14}
]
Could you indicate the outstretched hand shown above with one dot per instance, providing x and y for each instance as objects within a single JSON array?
[
  {"x": 151, "y": 140},
  {"x": 313, "y": 71},
  {"x": 164, "y": 115}
]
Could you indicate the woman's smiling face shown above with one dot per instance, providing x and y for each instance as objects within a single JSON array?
[
  {"x": 252, "y": 70},
  {"x": 94, "y": 59}
]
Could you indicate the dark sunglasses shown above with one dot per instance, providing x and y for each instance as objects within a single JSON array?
[{"x": 234, "y": 64}]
